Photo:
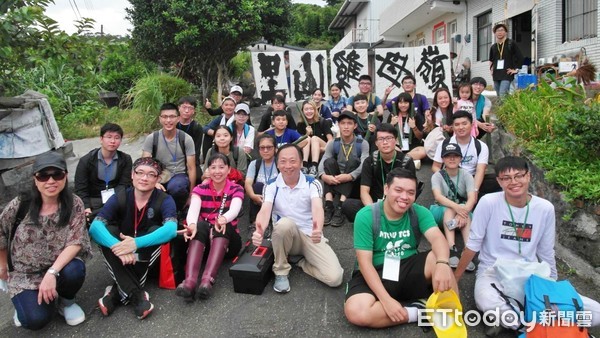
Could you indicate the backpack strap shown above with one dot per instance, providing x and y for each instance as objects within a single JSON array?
[
  {"x": 154, "y": 143},
  {"x": 376, "y": 223},
  {"x": 158, "y": 201},
  {"x": 336, "y": 146},
  {"x": 24, "y": 203},
  {"x": 181, "y": 135},
  {"x": 477, "y": 146},
  {"x": 257, "y": 165}
]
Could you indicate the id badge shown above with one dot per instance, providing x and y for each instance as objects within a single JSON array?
[
  {"x": 391, "y": 267},
  {"x": 405, "y": 146},
  {"x": 106, "y": 194},
  {"x": 500, "y": 64}
]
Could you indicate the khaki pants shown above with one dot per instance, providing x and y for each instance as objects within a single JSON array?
[{"x": 319, "y": 259}]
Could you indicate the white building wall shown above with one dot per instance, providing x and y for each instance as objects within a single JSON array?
[{"x": 550, "y": 37}]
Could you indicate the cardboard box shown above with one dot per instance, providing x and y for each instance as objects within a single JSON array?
[{"x": 253, "y": 268}]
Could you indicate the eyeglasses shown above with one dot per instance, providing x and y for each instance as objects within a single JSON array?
[
  {"x": 187, "y": 107},
  {"x": 364, "y": 83},
  {"x": 408, "y": 82},
  {"x": 518, "y": 178},
  {"x": 385, "y": 139},
  {"x": 169, "y": 117},
  {"x": 140, "y": 174},
  {"x": 45, "y": 176},
  {"x": 266, "y": 148}
]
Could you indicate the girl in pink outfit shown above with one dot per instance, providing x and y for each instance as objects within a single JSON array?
[{"x": 465, "y": 103}]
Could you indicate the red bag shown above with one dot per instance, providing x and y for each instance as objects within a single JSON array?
[{"x": 166, "y": 278}]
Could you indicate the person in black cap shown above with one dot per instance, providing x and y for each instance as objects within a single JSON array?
[
  {"x": 48, "y": 240},
  {"x": 455, "y": 197},
  {"x": 483, "y": 106},
  {"x": 505, "y": 60},
  {"x": 129, "y": 230},
  {"x": 341, "y": 166}
]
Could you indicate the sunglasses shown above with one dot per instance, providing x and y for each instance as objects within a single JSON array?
[{"x": 45, "y": 176}]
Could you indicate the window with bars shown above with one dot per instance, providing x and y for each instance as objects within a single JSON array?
[
  {"x": 484, "y": 36},
  {"x": 580, "y": 19}
]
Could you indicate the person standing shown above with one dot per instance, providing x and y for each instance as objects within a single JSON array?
[{"x": 505, "y": 60}]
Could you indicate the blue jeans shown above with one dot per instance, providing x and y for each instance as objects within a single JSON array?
[
  {"x": 502, "y": 87},
  {"x": 35, "y": 316}
]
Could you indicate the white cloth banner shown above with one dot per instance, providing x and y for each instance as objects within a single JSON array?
[
  {"x": 269, "y": 74},
  {"x": 308, "y": 71},
  {"x": 347, "y": 65}
]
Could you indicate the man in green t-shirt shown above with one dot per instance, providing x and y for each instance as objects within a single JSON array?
[{"x": 390, "y": 269}]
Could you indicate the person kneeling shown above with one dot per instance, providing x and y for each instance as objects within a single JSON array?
[
  {"x": 211, "y": 222},
  {"x": 378, "y": 286}
]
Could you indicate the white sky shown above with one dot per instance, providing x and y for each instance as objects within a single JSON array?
[{"x": 109, "y": 13}]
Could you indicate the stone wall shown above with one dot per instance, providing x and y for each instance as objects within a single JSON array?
[{"x": 579, "y": 232}]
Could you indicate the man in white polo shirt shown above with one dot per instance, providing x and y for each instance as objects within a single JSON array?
[{"x": 291, "y": 198}]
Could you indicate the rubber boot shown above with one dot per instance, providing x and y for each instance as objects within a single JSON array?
[
  {"x": 192, "y": 269},
  {"x": 218, "y": 248}
]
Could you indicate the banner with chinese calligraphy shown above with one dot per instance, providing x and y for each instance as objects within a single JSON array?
[
  {"x": 308, "y": 71},
  {"x": 347, "y": 65},
  {"x": 430, "y": 65},
  {"x": 269, "y": 74}
]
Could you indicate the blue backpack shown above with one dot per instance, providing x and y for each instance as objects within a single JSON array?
[{"x": 558, "y": 297}]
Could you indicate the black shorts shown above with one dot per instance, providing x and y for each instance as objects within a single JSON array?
[{"x": 411, "y": 284}]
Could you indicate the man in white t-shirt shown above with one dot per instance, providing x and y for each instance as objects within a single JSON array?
[
  {"x": 475, "y": 153},
  {"x": 511, "y": 224},
  {"x": 290, "y": 198}
]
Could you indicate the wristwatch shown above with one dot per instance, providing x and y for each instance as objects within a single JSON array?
[{"x": 54, "y": 272}]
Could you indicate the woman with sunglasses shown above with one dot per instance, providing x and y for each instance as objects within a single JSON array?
[
  {"x": 260, "y": 171},
  {"x": 43, "y": 252},
  {"x": 211, "y": 225}
]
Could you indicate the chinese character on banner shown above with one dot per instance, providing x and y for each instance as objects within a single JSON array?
[
  {"x": 346, "y": 66},
  {"x": 269, "y": 74},
  {"x": 431, "y": 68},
  {"x": 392, "y": 64},
  {"x": 308, "y": 72}
]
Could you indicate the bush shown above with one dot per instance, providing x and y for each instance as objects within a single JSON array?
[{"x": 150, "y": 92}]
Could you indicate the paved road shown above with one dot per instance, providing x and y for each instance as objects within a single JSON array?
[{"x": 310, "y": 309}]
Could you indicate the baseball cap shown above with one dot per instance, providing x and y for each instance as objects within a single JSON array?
[
  {"x": 479, "y": 79},
  {"x": 451, "y": 148},
  {"x": 236, "y": 88},
  {"x": 242, "y": 107},
  {"x": 50, "y": 159},
  {"x": 346, "y": 114}
]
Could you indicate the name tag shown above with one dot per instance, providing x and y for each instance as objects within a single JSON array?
[
  {"x": 106, "y": 194},
  {"x": 405, "y": 145},
  {"x": 391, "y": 267},
  {"x": 500, "y": 64}
]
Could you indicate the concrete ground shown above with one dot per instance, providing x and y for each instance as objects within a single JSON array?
[{"x": 310, "y": 309}]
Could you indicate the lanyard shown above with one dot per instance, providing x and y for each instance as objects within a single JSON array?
[
  {"x": 466, "y": 150},
  {"x": 223, "y": 199},
  {"x": 392, "y": 166},
  {"x": 501, "y": 50},
  {"x": 347, "y": 154},
  {"x": 107, "y": 172},
  {"x": 515, "y": 224},
  {"x": 174, "y": 155},
  {"x": 267, "y": 178},
  {"x": 136, "y": 221}
]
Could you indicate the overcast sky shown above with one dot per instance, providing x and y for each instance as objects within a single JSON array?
[{"x": 109, "y": 13}]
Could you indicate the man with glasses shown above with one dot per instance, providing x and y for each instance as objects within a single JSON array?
[
  {"x": 103, "y": 171},
  {"x": 365, "y": 86},
  {"x": 375, "y": 169},
  {"x": 483, "y": 106},
  {"x": 187, "y": 123},
  {"x": 409, "y": 84},
  {"x": 510, "y": 224},
  {"x": 505, "y": 60},
  {"x": 175, "y": 149},
  {"x": 129, "y": 230}
]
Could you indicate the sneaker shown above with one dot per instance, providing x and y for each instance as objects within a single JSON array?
[
  {"x": 142, "y": 305},
  {"x": 338, "y": 218},
  {"x": 493, "y": 331},
  {"x": 304, "y": 170},
  {"x": 417, "y": 164},
  {"x": 454, "y": 257},
  {"x": 312, "y": 171},
  {"x": 109, "y": 301},
  {"x": 419, "y": 304},
  {"x": 282, "y": 284},
  {"x": 328, "y": 214},
  {"x": 16, "y": 320},
  {"x": 73, "y": 314},
  {"x": 471, "y": 267}
]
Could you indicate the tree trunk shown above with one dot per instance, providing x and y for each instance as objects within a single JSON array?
[{"x": 219, "y": 80}]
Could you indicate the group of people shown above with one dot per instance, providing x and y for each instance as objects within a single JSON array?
[{"x": 184, "y": 185}]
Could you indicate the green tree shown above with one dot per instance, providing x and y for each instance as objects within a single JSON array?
[
  {"x": 201, "y": 37},
  {"x": 310, "y": 26}
]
